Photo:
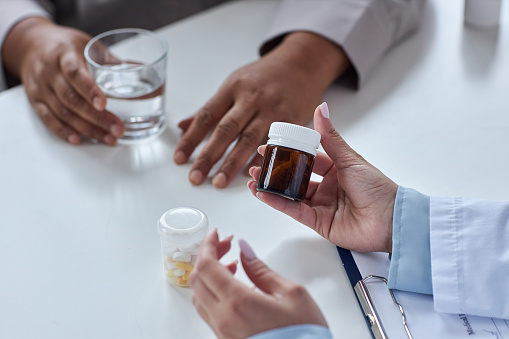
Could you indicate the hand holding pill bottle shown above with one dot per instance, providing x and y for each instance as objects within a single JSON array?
[
  {"x": 181, "y": 229},
  {"x": 351, "y": 206}
]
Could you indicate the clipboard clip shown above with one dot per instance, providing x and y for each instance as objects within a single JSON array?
[{"x": 369, "y": 310}]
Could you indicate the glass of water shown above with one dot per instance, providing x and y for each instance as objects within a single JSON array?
[{"x": 129, "y": 65}]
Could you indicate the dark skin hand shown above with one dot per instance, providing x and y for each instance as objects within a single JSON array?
[
  {"x": 49, "y": 60},
  {"x": 284, "y": 85}
]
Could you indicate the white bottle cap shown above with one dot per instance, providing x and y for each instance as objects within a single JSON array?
[
  {"x": 183, "y": 225},
  {"x": 482, "y": 13},
  {"x": 294, "y": 136}
]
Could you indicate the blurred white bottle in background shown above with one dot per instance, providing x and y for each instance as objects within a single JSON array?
[{"x": 483, "y": 14}]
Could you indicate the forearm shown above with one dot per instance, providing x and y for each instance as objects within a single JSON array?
[
  {"x": 322, "y": 60},
  {"x": 365, "y": 30},
  {"x": 18, "y": 41}
]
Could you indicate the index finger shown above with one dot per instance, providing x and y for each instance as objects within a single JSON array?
[
  {"x": 74, "y": 69},
  {"x": 216, "y": 277},
  {"x": 206, "y": 118}
]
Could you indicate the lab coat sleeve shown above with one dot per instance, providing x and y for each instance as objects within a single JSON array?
[
  {"x": 365, "y": 29},
  {"x": 470, "y": 256},
  {"x": 296, "y": 332},
  {"x": 11, "y": 12}
]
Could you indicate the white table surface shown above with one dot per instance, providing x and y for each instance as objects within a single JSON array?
[{"x": 79, "y": 252}]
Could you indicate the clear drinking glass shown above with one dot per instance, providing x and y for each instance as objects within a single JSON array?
[{"x": 129, "y": 65}]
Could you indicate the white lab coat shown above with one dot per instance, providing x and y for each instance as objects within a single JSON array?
[
  {"x": 365, "y": 29},
  {"x": 470, "y": 256}
]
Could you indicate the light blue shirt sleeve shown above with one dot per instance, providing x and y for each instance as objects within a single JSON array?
[
  {"x": 410, "y": 268},
  {"x": 296, "y": 332}
]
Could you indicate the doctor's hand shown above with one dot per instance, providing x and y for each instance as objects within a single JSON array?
[
  {"x": 236, "y": 311},
  {"x": 352, "y": 206},
  {"x": 284, "y": 85},
  {"x": 50, "y": 62}
]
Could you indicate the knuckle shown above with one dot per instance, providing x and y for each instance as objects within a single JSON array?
[
  {"x": 186, "y": 145},
  {"x": 297, "y": 292},
  {"x": 205, "y": 118},
  {"x": 241, "y": 79},
  {"x": 96, "y": 133},
  {"x": 229, "y": 165},
  {"x": 100, "y": 119},
  {"x": 71, "y": 98},
  {"x": 239, "y": 303},
  {"x": 253, "y": 96},
  {"x": 224, "y": 327},
  {"x": 205, "y": 160},
  {"x": 250, "y": 138},
  {"x": 43, "y": 113},
  {"x": 70, "y": 69},
  {"x": 228, "y": 130},
  {"x": 259, "y": 270},
  {"x": 38, "y": 70},
  {"x": 61, "y": 131},
  {"x": 66, "y": 114}
]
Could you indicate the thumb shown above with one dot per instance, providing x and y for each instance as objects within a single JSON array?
[
  {"x": 263, "y": 277},
  {"x": 333, "y": 144}
]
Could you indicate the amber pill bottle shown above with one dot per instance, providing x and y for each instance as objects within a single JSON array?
[{"x": 288, "y": 160}]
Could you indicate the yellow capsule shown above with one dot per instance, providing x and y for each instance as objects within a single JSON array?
[
  {"x": 184, "y": 266},
  {"x": 182, "y": 282},
  {"x": 170, "y": 259},
  {"x": 170, "y": 274},
  {"x": 186, "y": 276}
]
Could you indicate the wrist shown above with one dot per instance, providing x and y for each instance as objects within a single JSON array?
[
  {"x": 319, "y": 58},
  {"x": 393, "y": 189},
  {"x": 19, "y": 40}
]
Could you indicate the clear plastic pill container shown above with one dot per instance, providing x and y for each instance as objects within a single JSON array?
[{"x": 181, "y": 229}]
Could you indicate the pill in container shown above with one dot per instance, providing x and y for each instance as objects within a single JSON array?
[
  {"x": 181, "y": 229},
  {"x": 288, "y": 160}
]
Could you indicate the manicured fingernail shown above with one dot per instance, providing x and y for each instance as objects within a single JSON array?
[
  {"x": 180, "y": 157},
  {"x": 116, "y": 130},
  {"x": 251, "y": 183},
  {"x": 219, "y": 180},
  {"x": 73, "y": 139},
  {"x": 258, "y": 195},
  {"x": 246, "y": 250},
  {"x": 98, "y": 104},
  {"x": 325, "y": 110},
  {"x": 196, "y": 177},
  {"x": 228, "y": 238},
  {"x": 260, "y": 150},
  {"x": 110, "y": 140}
]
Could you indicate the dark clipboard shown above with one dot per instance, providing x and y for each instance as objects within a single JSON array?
[{"x": 363, "y": 297}]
